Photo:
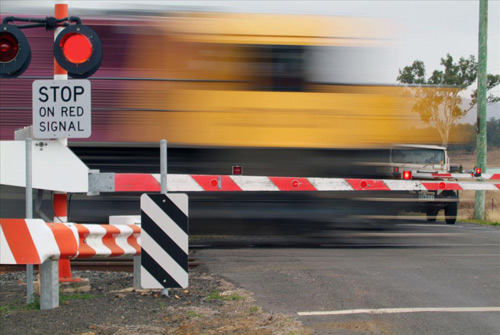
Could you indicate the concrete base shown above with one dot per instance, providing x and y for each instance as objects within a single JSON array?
[{"x": 81, "y": 286}]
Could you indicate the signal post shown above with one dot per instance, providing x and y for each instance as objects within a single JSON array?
[{"x": 61, "y": 109}]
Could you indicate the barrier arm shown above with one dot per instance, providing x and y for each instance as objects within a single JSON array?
[{"x": 140, "y": 182}]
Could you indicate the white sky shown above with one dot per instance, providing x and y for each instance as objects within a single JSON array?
[{"x": 428, "y": 29}]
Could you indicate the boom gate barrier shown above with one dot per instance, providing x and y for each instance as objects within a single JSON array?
[{"x": 33, "y": 241}]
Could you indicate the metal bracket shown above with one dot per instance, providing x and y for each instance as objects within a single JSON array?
[{"x": 100, "y": 182}]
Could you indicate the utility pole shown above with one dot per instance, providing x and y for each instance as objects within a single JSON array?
[{"x": 481, "y": 104}]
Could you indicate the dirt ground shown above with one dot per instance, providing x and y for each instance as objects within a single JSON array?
[
  {"x": 210, "y": 306},
  {"x": 467, "y": 198}
]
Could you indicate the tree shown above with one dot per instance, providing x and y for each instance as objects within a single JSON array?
[
  {"x": 493, "y": 132},
  {"x": 438, "y": 99}
]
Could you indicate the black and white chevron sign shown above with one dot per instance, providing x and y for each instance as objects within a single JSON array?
[{"x": 164, "y": 240}]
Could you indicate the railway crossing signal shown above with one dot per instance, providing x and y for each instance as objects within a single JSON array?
[{"x": 77, "y": 48}]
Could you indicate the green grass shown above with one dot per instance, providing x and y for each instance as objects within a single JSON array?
[
  {"x": 215, "y": 295},
  {"x": 35, "y": 305},
  {"x": 193, "y": 314},
  {"x": 483, "y": 222},
  {"x": 32, "y": 306},
  {"x": 253, "y": 309}
]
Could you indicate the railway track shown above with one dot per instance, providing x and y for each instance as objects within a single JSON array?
[{"x": 105, "y": 264}]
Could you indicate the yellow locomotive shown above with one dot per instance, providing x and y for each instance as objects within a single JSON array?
[{"x": 262, "y": 80}]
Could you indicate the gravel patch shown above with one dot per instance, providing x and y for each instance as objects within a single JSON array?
[{"x": 210, "y": 305}]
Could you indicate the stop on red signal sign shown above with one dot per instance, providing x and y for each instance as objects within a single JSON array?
[{"x": 78, "y": 50}]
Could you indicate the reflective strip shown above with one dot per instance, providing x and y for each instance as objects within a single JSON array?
[
  {"x": 165, "y": 261},
  {"x": 94, "y": 240},
  {"x": 328, "y": 184},
  {"x": 108, "y": 240},
  {"x": 136, "y": 182},
  {"x": 33, "y": 241},
  {"x": 66, "y": 238},
  {"x": 405, "y": 185},
  {"x": 254, "y": 183},
  {"x": 182, "y": 182},
  {"x": 6, "y": 255},
  {"x": 484, "y": 176},
  {"x": 216, "y": 183},
  {"x": 84, "y": 250},
  {"x": 368, "y": 185},
  {"x": 20, "y": 242},
  {"x": 292, "y": 184},
  {"x": 165, "y": 223},
  {"x": 442, "y": 185},
  {"x": 238, "y": 183},
  {"x": 478, "y": 186}
]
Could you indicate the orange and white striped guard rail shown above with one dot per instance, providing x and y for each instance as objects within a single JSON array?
[
  {"x": 33, "y": 241},
  {"x": 237, "y": 183},
  {"x": 108, "y": 240}
]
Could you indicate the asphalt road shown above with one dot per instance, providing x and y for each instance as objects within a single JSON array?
[{"x": 422, "y": 278}]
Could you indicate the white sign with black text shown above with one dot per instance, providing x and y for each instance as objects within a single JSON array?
[{"x": 61, "y": 109}]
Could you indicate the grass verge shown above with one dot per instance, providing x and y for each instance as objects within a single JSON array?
[
  {"x": 483, "y": 222},
  {"x": 35, "y": 305},
  {"x": 216, "y": 295},
  {"x": 32, "y": 306}
]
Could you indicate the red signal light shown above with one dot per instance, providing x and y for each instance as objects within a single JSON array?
[
  {"x": 9, "y": 47},
  {"x": 406, "y": 175},
  {"x": 237, "y": 170},
  {"x": 15, "y": 51},
  {"x": 78, "y": 50},
  {"x": 477, "y": 172}
]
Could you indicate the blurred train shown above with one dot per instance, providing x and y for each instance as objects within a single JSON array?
[
  {"x": 234, "y": 80},
  {"x": 292, "y": 95}
]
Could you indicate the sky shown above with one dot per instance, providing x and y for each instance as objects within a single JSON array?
[{"x": 424, "y": 30}]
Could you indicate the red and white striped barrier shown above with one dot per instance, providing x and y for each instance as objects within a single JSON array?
[
  {"x": 237, "y": 183},
  {"x": 32, "y": 241},
  {"x": 484, "y": 176}
]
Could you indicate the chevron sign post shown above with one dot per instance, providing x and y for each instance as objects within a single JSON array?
[{"x": 164, "y": 240}]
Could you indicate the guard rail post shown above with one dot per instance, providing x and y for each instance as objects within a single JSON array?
[
  {"x": 130, "y": 220},
  {"x": 163, "y": 179},
  {"x": 49, "y": 277},
  {"x": 29, "y": 214}
]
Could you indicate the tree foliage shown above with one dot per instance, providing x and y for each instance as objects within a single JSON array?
[
  {"x": 438, "y": 99},
  {"x": 493, "y": 132}
]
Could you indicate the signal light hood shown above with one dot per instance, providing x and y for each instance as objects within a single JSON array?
[{"x": 78, "y": 50}]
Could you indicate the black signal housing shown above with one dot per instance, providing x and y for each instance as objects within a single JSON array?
[
  {"x": 78, "y": 50},
  {"x": 15, "y": 51}
]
